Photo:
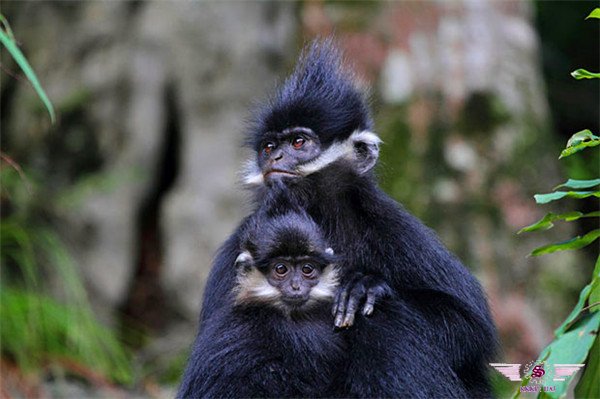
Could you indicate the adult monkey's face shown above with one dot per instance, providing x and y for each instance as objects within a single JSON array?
[{"x": 281, "y": 154}]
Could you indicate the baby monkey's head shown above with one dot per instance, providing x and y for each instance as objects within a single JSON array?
[{"x": 285, "y": 263}]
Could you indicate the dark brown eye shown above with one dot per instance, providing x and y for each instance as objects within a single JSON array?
[
  {"x": 298, "y": 142},
  {"x": 268, "y": 147},
  {"x": 280, "y": 269},
  {"x": 308, "y": 269}
]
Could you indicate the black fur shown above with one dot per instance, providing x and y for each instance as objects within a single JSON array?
[{"x": 433, "y": 336}]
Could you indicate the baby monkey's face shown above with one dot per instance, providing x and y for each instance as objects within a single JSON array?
[
  {"x": 288, "y": 283},
  {"x": 294, "y": 278}
]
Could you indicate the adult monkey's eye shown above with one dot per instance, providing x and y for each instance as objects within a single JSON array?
[
  {"x": 280, "y": 269},
  {"x": 268, "y": 147},
  {"x": 298, "y": 142},
  {"x": 308, "y": 269}
]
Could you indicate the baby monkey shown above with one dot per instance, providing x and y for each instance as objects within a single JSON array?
[
  {"x": 278, "y": 339},
  {"x": 286, "y": 265}
]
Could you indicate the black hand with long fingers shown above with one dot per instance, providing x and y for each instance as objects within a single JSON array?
[{"x": 359, "y": 289}]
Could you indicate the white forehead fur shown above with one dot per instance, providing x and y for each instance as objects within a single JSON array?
[{"x": 338, "y": 150}]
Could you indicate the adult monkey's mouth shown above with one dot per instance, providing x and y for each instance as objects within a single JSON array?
[{"x": 280, "y": 172}]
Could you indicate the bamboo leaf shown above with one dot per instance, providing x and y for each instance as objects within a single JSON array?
[
  {"x": 594, "y": 14},
  {"x": 574, "y": 243},
  {"x": 20, "y": 59},
  {"x": 579, "y": 184},
  {"x": 545, "y": 198},
  {"x": 583, "y": 74}
]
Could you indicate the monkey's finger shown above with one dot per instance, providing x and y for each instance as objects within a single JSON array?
[
  {"x": 340, "y": 306},
  {"x": 348, "y": 320},
  {"x": 337, "y": 300},
  {"x": 369, "y": 303},
  {"x": 355, "y": 296},
  {"x": 341, "y": 309}
]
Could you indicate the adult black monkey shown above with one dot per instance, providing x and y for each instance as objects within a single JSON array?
[
  {"x": 278, "y": 339},
  {"x": 433, "y": 335}
]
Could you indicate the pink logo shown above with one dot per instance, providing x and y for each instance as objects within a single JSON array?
[{"x": 537, "y": 373}]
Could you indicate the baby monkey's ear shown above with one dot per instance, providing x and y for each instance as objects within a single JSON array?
[{"x": 244, "y": 260}]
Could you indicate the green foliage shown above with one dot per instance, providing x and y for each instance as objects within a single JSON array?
[
  {"x": 37, "y": 330},
  {"x": 574, "y": 243},
  {"x": 580, "y": 141},
  {"x": 578, "y": 334},
  {"x": 8, "y": 40},
  {"x": 594, "y": 14},
  {"x": 572, "y": 183},
  {"x": 546, "y": 222},
  {"x": 545, "y": 198},
  {"x": 583, "y": 74},
  {"x": 45, "y": 324},
  {"x": 589, "y": 387}
]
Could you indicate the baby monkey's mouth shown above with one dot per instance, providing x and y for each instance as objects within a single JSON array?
[{"x": 295, "y": 301}]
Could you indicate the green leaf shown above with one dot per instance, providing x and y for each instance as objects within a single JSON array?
[
  {"x": 20, "y": 59},
  {"x": 572, "y": 347},
  {"x": 588, "y": 386},
  {"x": 578, "y": 184},
  {"x": 595, "y": 293},
  {"x": 594, "y": 14},
  {"x": 6, "y": 27},
  {"x": 580, "y": 141},
  {"x": 546, "y": 222},
  {"x": 545, "y": 198},
  {"x": 583, "y": 296},
  {"x": 574, "y": 243},
  {"x": 583, "y": 74}
]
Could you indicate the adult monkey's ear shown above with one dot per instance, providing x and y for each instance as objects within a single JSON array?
[{"x": 366, "y": 149}]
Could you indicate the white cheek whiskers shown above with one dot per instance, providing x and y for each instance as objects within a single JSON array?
[
  {"x": 326, "y": 288},
  {"x": 252, "y": 175},
  {"x": 253, "y": 288}
]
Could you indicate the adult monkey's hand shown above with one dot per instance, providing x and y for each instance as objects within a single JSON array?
[{"x": 358, "y": 290}]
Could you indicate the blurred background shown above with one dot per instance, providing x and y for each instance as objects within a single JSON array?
[{"x": 110, "y": 216}]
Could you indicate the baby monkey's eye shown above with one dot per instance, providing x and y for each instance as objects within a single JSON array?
[
  {"x": 298, "y": 142},
  {"x": 308, "y": 269},
  {"x": 268, "y": 147},
  {"x": 280, "y": 269}
]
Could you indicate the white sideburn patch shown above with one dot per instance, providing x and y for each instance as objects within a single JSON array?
[
  {"x": 326, "y": 288},
  {"x": 253, "y": 287},
  {"x": 338, "y": 150},
  {"x": 251, "y": 174}
]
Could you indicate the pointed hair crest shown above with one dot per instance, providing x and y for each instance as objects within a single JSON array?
[{"x": 320, "y": 94}]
